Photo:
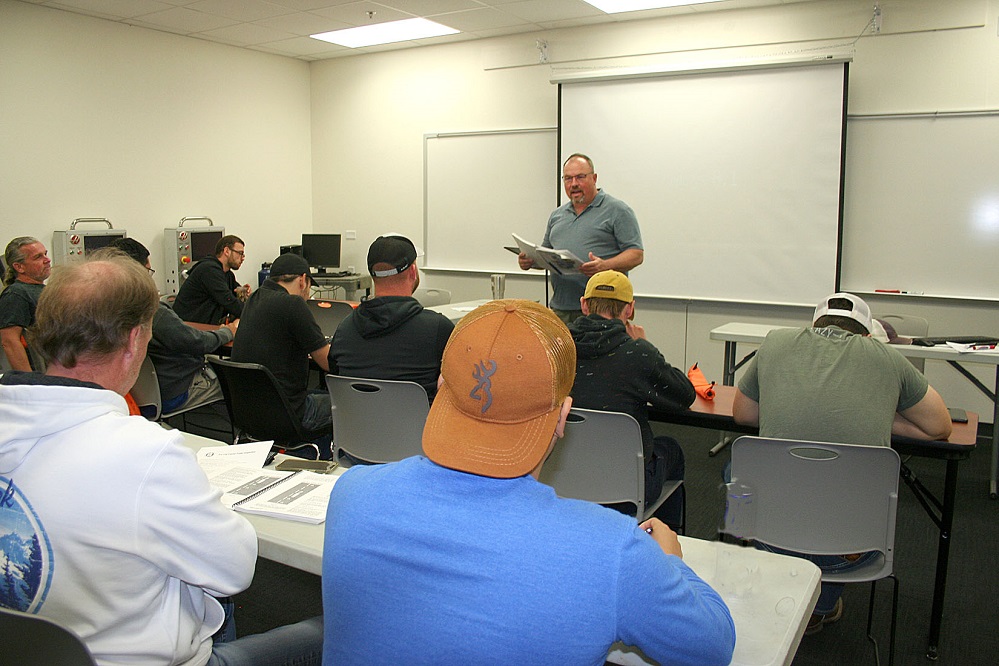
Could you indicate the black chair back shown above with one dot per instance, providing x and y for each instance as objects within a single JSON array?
[
  {"x": 258, "y": 409},
  {"x": 33, "y": 639}
]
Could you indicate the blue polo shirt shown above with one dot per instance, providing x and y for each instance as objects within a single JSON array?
[{"x": 606, "y": 228}]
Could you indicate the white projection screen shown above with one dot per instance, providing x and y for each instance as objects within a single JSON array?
[{"x": 735, "y": 176}]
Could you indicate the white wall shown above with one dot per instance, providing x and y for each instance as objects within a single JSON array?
[
  {"x": 99, "y": 119},
  {"x": 370, "y": 112}
]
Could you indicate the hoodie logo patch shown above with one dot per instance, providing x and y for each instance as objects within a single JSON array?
[{"x": 26, "y": 562}]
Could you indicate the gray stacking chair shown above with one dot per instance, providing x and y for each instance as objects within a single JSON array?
[
  {"x": 429, "y": 297},
  {"x": 377, "y": 420},
  {"x": 146, "y": 393},
  {"x": 822, "y": 499},
  {"x": 600, "y": 459}
]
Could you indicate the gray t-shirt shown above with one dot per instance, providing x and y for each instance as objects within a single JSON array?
[
  {"x": 606, "y": 228},
  {"x": 827, "y": 385}
]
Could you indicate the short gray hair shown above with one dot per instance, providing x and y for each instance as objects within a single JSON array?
[{"x": 88, "y": 310}]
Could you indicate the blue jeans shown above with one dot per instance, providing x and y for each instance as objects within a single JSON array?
[
  {"x": 319, "y": 414},
  {"x": 299, "y": 644},
  {"x": 830, "y": 592}
]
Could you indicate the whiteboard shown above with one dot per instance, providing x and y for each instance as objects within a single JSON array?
[
  {"x": 481, "y": 187},
  {"x": 922, "y": 205},
  {"x": 735, "y": 176}
]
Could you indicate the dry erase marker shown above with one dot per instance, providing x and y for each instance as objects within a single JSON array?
[{"x": 982, "y": 347}]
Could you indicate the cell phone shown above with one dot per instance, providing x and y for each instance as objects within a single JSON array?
[
  {"x": 957, "y": 415},
  {"x": 317, "y": 466}
]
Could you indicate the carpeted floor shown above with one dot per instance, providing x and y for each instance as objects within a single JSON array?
[{"x": 970, "y": 633}]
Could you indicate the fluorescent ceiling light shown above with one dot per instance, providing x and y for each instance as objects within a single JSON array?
[
  {"x": 386, "y": 33},
  {"x": 619, "y": 6}
]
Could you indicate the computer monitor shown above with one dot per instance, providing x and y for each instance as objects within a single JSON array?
[
  {"x": 322, "y": 251},
  {"x": 203, "y": 242}
]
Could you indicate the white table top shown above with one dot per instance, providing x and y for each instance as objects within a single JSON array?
[
  {"x": 770, "y": 596},
  {"x": 455, "y": 311},
  {"x": 755, "y": 333}
]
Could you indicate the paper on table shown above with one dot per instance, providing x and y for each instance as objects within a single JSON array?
[
  {"x": 253, "y": 454},
  {"x": 973, "y": 349}
]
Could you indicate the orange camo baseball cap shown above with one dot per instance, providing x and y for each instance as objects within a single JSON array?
[{"x": 507, "y": 369}]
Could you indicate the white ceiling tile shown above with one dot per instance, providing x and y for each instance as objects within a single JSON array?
[
  {"x": 240, "y": 10},
  {"x": 482, "y": 19},
  {"x": 116, "y": 9},
  {"x": 302, "y": 23},
  {"x": 551, "y": 10},
  {"x": 244, "y": 34},
  {"x": 430, "y": 7},
  {"x": 307, "y": 5},
  {"x": 186, "y": 20},
  {"x": 356, "y": 13},
  {"x": 304, "y": 46}
]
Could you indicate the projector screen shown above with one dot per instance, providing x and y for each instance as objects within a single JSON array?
[{"x": 735, "y": 176}]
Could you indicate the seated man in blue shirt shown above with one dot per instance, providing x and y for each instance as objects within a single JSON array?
[{"x": 464, "y": 557}]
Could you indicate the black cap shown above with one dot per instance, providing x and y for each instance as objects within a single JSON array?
[
  {"x": 290, "y": 264},
  {"x": 396, "y": 251}
]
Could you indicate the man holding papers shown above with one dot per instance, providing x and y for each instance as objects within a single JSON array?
[
  {"x": 107, "y": 525},
  {"x": 464, "y": 557},
  {"x": 596, "y": 227}
]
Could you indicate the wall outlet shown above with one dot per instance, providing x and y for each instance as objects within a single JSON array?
[
  {"x": 350, "y": 234},
  {"x": 350, "y": 269}
]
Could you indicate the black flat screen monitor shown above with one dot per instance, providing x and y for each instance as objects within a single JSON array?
[
  {"x": 322, "y": 251},
  {"x": 203, "y": 243},
  {"x": 97, "y": 241}
]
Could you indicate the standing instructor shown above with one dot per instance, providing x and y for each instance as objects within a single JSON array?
[{"x": 593, "y": 225}]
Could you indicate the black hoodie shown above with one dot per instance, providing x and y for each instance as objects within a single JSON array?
[
  {"x": 616, "y": 373},
  {"x": 391, "y": 337}
]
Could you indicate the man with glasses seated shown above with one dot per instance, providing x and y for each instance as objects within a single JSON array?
[
  {"x": 210, "y": 294},
  {"x": 596, "y": 227}
]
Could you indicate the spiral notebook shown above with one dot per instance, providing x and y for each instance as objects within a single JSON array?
[
  {"x": 249, "y": 488},
  {"x": 301, "y": 496}
]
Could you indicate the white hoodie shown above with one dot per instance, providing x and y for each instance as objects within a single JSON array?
[{"x": 108, "y": 525}]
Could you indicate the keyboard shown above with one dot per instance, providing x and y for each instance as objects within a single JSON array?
[{"x": 960, "y": 339}]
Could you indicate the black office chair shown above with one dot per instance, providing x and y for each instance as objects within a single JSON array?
[
  {"x": 33, "y": 639},
  {"x": 259, "y": 410}
]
